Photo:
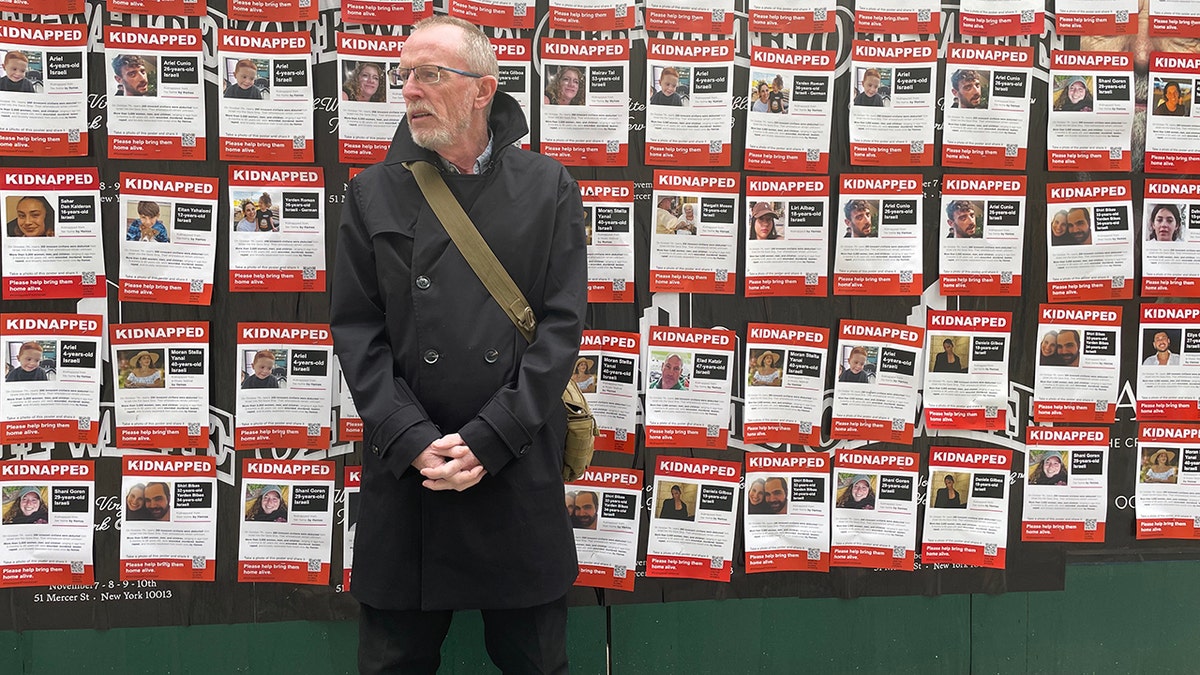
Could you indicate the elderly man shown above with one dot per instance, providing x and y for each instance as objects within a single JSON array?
[{"x": 461, "y": 498}]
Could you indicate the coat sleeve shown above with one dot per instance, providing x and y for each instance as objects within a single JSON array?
[
  {"x": 398, "y": 427},
  {"x": 505, "y": 427}
]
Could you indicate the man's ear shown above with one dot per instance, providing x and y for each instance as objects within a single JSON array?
[{"x": 487, "y": 90}]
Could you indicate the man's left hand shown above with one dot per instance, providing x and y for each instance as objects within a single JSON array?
[{"x": 461, "y": 469}]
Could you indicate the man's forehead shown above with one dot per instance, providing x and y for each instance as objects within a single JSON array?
[{"x": 439, "y": 42}]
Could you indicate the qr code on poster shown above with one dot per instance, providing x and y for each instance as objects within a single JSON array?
[
  {"x": 193, "y": 428},
  {"x": 190, "y": 2},
  {"x": 304, "y": 4},
  {"x": 621, "y": 434},
  {"x": 1027, "y": 15},
  {"x": 716, "y": 562},
  {"x": 1006, "y": 277},
  {"x": 298, "y": 143},
  {"x": 72, "y": 135},
  {"x": 314, "y": 564},
  {"x": 198, "y": 562},
  {"x": 1118, "y": 281},
  {"x": 1101, "y": 405},
  {"x": 84, "y": 423},
  {"x": 820, "y": 14},
  {"x": 188, "y": 140},
  {"x": 906, "y": 276},
  {"x": 923, "y": 15},
  {"x": 712, "y": 431},
  {"x": 76, "y": 567},
  {"x": 314, "y": 429},
  {"x": 308, "y": 273},
  {"x": 806, "y": 428},
  {"x": 612, "y": 147},
  {"x": 620, "y": 11},
  {"x": 196, "y": 286},
  {"x": 519, "y": 9},
  {"x": 1196, "y": 522},
  {"x": 88, "y": 278},
  {"x": 721, "y": 276},
  {"x": 814, "y": 554},
  {"x": 1010, "y": 150},
  {"x": 620, "y": 571},
  {"x": 619, "y": 285},
  {"x": 718, "y": 16},
  {"x": 812, "y": 155},
  {"x": 418, "y": 6},
  {"x": 897, "y": 424},
  {"x": 1089, "y": 525},
  {"x": 916, "y": 147},
  {"x": 1114, "y": 153},
  {"x": 1122, "y": 16},
  {"x": 714, "y": 147},
  {"x": 990, "y": 411},
  {"x": 811, "y": 278},
  {"x": 989, "y": 550},
  {"x": 897, "y": 551}
]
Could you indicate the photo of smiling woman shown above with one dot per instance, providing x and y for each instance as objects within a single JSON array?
[
  {"x": 266, "y": 504},
  {"x": 29, "y": 216},
  {"x": 1075, "y": 95},
  {"x": 857, "y": 492},
  {"x": 364, "y": 83},
  {"x": 25, "y": 505},
  {"x": 565, "y": 85}
]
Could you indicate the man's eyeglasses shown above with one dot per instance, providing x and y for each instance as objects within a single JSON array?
[{"x": 431, "y": 74}]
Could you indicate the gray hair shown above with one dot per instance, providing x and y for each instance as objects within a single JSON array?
[{"x": 475, "y": 49}]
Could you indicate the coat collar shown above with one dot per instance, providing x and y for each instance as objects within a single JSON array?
[{"x": 506, "y": 122}]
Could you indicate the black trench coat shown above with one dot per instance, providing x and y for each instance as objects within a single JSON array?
[{"x": 426, "y": 351}]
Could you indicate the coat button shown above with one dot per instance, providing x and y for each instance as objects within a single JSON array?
[
  {"x": 491, "y": 355},
  {"x": 524, "y": 449},
  {"x": 431, "y": 356},
  {"x": 422, "y": 282},
  {"x": 375, "y": 449}
]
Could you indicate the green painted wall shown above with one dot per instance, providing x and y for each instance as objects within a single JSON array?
[{"x": 1114, "y": 618}]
